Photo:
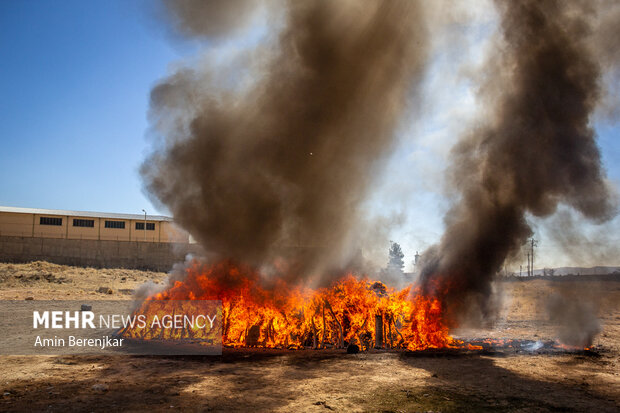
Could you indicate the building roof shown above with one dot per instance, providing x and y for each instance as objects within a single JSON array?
[{"x": 83, "y": 214}]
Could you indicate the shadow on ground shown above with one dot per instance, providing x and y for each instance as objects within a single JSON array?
[{"x": 293, "y": 381}]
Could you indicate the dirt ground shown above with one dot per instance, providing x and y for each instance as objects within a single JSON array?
[{"x": 317, "y": 381}]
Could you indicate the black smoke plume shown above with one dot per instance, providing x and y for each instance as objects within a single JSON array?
[
  {"x": 533, "y": 149},
  {"x": 285, "y": 162}
]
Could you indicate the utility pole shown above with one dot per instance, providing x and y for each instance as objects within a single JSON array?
[
  {"x": 144, "y": 225},
  {"x": 416, "y": 258},
  {"x": 533, "y": 243},
  {"x": 529, "y": 273}
]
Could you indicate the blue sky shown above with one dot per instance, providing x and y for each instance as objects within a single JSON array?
[{"x": 75, "y": 78}]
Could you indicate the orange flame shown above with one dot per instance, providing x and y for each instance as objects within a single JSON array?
[{"x": 284, "y": 316}]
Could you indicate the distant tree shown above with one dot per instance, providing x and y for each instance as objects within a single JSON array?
[{"x": 395, "y": 261}]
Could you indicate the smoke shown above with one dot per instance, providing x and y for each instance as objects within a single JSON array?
[
  {"x": 581, "y": 244},
  {"x": 211, "y": 19},
  {"x": 532, "y": 149},
  {"x": 575, "y": 318},
  {"x": 177, "y": 273},
  {"x": 278, "y": 168},
  {"x": 605, "y": 43}
]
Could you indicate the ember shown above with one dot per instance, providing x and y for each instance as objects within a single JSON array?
[{"x": 351, "y": 311}]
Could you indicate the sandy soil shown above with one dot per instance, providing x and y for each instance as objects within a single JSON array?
[{"x": 317, "y": 381}]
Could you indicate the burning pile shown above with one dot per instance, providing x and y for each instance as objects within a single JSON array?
[
  {"x": 351, "y": 311},
  {"x": 279, "y": 147}
]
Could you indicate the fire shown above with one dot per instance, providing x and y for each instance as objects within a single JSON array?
[{"x": 351, "y": 311}]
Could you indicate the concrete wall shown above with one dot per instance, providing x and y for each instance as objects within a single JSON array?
[{"x": 94, "y": 253}]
